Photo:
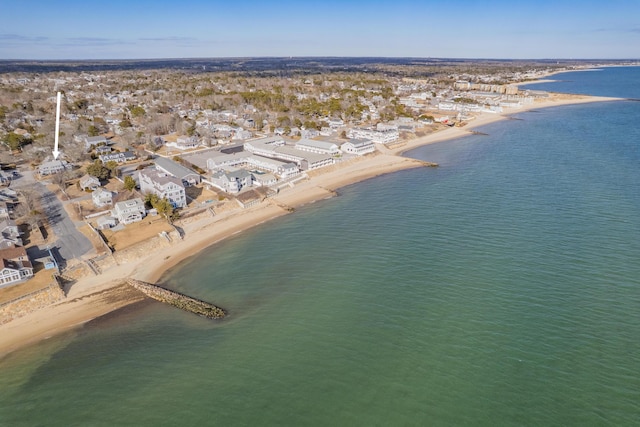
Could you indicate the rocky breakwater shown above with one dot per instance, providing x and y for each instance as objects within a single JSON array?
[{"x": 178, "y": 300}]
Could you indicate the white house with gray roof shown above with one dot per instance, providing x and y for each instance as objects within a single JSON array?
[
  {"x": 94, "y": 141},
  {"x": 163, "y": 185},
  {"x": 188, "y": 176},
  {"x": 118, "y": 157},
  {"x": 129, "y": 211},
  {"x": 231, "y": 181},
  {"x": 52, "y": 167}
]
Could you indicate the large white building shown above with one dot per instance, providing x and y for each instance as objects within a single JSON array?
[
  {"x": 319, "y": 147},
  {"x": 377, "y": 136},
  {"x": 359, "y": 147},
  {"x": 275, "y": 148},
  {"x": 163, "y": 185}
]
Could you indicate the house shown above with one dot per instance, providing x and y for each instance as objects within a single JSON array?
[
  {"x": 231, "y": 181},
  {"x": 129, "y": 211},
  {"x": 163, "y": 185},
  {"x": 185, "y": 142},
  {"x": 189, "y": 177},
  {"x": 52, "y": 167},
  {"x": 359, "y": 147},
  {"x": 103, "y": 149},
  {"x": 101, "y": 197},
  {"x": 106, "y": 222},
  {"x": 89, "y": 182},
  {"x": 264, "y": 179},
  {"x": 90, "y": 142},
  {"x": 118, "y": 157},
  {"x": 15, "y": 266},
  {"x": 4, "y": 210},
  {"x": 9, "y": 233}
]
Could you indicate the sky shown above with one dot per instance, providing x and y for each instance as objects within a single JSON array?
[{"x": 141, "y": 29}]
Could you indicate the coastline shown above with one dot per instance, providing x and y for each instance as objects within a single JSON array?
[{"x": 92, "y": 297}]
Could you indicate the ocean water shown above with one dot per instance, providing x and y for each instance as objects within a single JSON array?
[{"x": 502, "y": 288}]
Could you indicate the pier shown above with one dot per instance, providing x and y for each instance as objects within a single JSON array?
[{"x": 178, "y": 300}]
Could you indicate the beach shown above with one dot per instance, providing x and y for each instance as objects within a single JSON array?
[{"x": 92, "y": 297}]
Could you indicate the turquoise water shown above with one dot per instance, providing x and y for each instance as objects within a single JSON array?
[{"x": 502, "y": 288}]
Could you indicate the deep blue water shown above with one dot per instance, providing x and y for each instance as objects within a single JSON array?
[{"x": 502, "y": 288}]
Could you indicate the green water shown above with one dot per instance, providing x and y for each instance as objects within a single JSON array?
[{"x": 502, "y": 288}]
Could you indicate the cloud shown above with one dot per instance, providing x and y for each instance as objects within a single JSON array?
[
  {"x": 93, "y": 41},
  {"x": 18, "y": 38}
]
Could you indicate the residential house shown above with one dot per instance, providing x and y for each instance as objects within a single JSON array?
[
  {"x": 163, "y": 185},
  {"x": 231, "y": 181},
  {"x": 90, "y": 142},
  {"x": 15, "y": 266},
  {"x": 189, "y": 177},
  {"x": 129, "y": 211},
  {"x": 185, "y": 142},
  {"x": 9, "y": 233},
  {"x": 52, "y": 167},
  {"x": 101, "y": 197},
  {"x": 264, "y": 179},
  {"x": 118, "y": 157},
  {"x": 4, "y": 210},
  {"x": 359, "y": 147},
  {"x": 89, "y": 182}
]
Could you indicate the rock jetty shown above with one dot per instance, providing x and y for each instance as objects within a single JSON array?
[{"x": 178, "y": 300}]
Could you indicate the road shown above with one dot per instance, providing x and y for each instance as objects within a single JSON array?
[{"x": 71, "y": 243}]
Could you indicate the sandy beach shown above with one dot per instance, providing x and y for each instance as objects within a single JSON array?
[{"x": 91, "y": 297}]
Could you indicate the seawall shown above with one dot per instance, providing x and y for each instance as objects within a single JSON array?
[{"x": 178, "y": 300}]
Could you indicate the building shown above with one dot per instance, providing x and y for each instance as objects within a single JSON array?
[
  {"x": 359, "y": 147},
  {"x": 377, "y": 136},
  {"x": 4, "y": 210},
  {"x": 231, "y": 181},
  {"x": 101, "y": 197},
  {"x": 189, "y": 177},
  {"x": 264, "y": 179},
  {"x": 9, "y": 234},
  {"x": 52, "y": 167},
  {"x": 90, "y": 142},
  {"x": 89, "y": 182},
  {"x": 129, "y": 211},
  {"x": 319, "y": 147},
  {"x": 15, "y": 266},
  {"x": 118, "y": 157},
  {"x": 163, "y": 185},
  {"x": 275, "y": 148}
]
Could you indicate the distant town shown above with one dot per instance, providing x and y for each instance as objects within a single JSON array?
[{"x": 145, "y": 151}]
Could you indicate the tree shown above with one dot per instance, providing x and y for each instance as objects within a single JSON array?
[
  {"x": 129, "y": 183},
  {"x": 98, "y": 170},
  {"x": 137, "y": 111},
  {"x": 113, "y": 167},
  {"x": 93, "y": 131}
]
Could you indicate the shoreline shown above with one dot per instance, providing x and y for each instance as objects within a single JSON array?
[{"x": 93, "y": 297}]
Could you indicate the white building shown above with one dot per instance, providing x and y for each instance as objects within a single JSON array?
[
  {"x": 359, "y": 147},
  {"x": 52, "y": 167},
  {"x": 379, "y": 137},
  {"x": 319, "y": 147},
  {"x": 163, "y": 185},
  {"x": 101, "y": 197},
  {"x": 129, "y": 211}
]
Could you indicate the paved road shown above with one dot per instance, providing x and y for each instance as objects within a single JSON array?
[{"x": 71, "y": 243}]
